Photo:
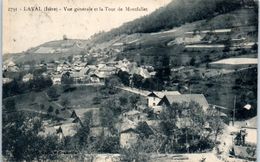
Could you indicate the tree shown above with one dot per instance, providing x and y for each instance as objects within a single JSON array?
[
  {"x": 137, "y": 80},
  {"x": 52, "y": 93},
  {"x": 109, "y": 144},
  {"x": 57, "y": 111},
  {"x": 124, "y": 77},
  {"x": 111, "y": 84},
  {"x": 38, "y": 82},
  {"x": 227, "y": 44},
  {"x": 66, "y": 78},
  {"x": 10, "y": 105},
  {"x": 65, "y": 102},
  {"x": 42, "y": 106},
  {"x": 70, "y": 58},
  {"x": 133, "y": 100},
  {"x": 215, "y": 122},
  {"x": 96, "y": 100},
  {"x": 50, "y": 109},
  {"x": 254, "y": 47},
  {"x": 184, "y": 123},
  {"x": 65, "y": 37},
  {"x": 21, "y": 140},
  {"x": 82, "y": 135},
  {"x": 123, "y": 100},
  {"x": 193, "y": 61}
]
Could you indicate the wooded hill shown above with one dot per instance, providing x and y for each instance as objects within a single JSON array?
[{"x": 175, "y": 14}]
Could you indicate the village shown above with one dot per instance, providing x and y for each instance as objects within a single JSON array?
[
  {"x": 182, "y": 94},
  {"x": 82, "y": 74}
]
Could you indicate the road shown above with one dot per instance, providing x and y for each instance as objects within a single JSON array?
[{"x": 135, "y": 90}]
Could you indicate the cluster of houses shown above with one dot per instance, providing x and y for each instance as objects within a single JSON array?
[{"x": 79, "y": 70}]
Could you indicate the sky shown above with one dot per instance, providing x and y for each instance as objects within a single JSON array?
[{"x": 24, "y": 29}]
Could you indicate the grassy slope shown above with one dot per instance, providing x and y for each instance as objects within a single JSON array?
[{"x": 82, "y": 97}]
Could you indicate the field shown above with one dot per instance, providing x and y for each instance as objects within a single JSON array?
[{"x": 79, "y": 97}]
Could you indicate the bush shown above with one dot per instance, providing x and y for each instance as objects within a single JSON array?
[{"x": 52, "y": 93}]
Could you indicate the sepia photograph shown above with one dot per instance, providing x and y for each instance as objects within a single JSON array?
[{"x": 129, "y": 81}]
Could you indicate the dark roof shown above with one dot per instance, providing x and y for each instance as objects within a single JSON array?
[
  {"x": 161, "y": 94},
  {"x": 130, "y": 130}
]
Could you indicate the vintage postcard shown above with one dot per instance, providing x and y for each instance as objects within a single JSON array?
[{"x": 130, "y": 81}]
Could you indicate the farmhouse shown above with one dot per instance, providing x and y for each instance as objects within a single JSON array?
[
  {"x": 155, "y": 97},
  {"x": 167, "y": 100},
  {"x": 27, "y": 77},
  {"x": 128, "y": 133},
  {"x": 56, "y": 79},
  {"x": 98, "y": 77}
]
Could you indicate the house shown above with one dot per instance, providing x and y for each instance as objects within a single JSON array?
[
  {"x": 92, "y": 67},
  {"x": 76, "y": 58},
  {"x": 56, "y": 79},
  {"x": 98, "y": 77},
  {"x": 13, "y": 69},
  {"x": 50, "y": 66},
  {"x": 10, "y": 64},
  {"x": 26, "y": 67},
  {"x": 107, "y": 70},
  {"x": 78, "y": 65},
  {"x": 155, "y": 97},
  {"x": 94, "y": 78},
  {"x": 167, "y": 100},
  {"x": 6, "y": 80},
  {"x": 124, "y": 65},
  {"x": 111, "y": 63},
  {"x": 128, "y": 133},
  {"x": 77, "y": 77},
  {"x": 140, "y": 71},
  {"x": 128, "y": 138},
  {"x": 27, "y": 77},
  {"x": 60, "y": 68}
]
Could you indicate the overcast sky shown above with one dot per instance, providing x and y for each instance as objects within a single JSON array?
[{"x": 24, "y": 29}]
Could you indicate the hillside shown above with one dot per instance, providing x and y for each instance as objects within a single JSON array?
[
  {"x": 147, "y": 36},
  {"x": 175, "y": 14},
  {"x": 142, "y": 48}
]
